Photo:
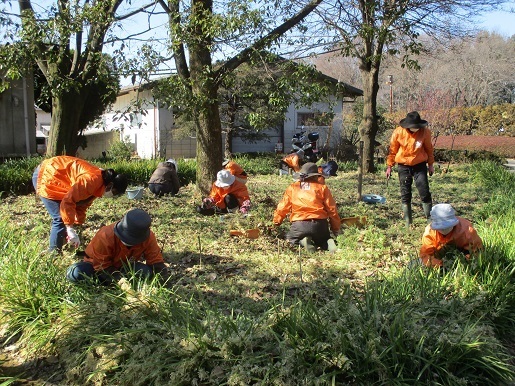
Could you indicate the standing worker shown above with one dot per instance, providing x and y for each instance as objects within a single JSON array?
[
  {"x": 67, "y": 187},
  {"x": 412, "y": 150},
  {"x": 312, "y": 211},
  {"x": 164, "y": 179}
]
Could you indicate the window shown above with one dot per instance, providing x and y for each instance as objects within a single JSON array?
[{"x": 314, "y": 119}]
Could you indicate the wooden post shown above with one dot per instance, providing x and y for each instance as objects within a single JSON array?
[{"x": 360, "y": 170}]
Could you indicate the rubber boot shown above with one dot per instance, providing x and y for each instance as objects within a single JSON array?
[
  {"x": 331, "y": 246},
  {"x": 307, "y": 243},
  {"x": 406, "y": 210},
  {"x": 427, "y": 210}
]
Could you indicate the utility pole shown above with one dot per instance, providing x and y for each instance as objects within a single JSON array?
[{"x": 390, "y": 82}]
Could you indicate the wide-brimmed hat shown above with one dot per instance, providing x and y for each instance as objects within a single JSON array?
[
  {"x": 309, "y": 169},
  {"x": 224, "y": 178},
  {"x": 413, "y": 121},
  {"x": 134, "y": 227},
  {"x": 330, "y": 169},
  {"x": 443, "y": 216}
]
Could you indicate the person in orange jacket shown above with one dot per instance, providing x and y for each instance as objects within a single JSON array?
[
  {"x": 236, "y": 170},
  {"x": 412, "y": 150},
  {"x": 227, "y": 196},
  {"x": 447, "y": 229},
  {"x": 310, "y": 205},
  {"x": 292, "y": 162},
  {"x": 119, "y": 249},
  {"x": 67, "y": 186}
]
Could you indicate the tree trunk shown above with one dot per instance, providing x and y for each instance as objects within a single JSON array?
[
  {"x": 208, "y": 124},
  {"x": 369, "y": 125},
  {"x": 209, "y": 143},
  {"x": 66, "y": 112}
]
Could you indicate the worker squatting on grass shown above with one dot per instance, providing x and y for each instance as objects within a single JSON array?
[
  {"x": 125, "y": 247},
  {"x": 164, "y": 179},
  {"x": 446, "y": 230},
  {"x": 228, "y": 195}
]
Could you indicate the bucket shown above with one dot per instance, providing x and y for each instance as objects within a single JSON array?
[
  {"x": 373, "y": 199},
  {"x": 135, "y": 193}
]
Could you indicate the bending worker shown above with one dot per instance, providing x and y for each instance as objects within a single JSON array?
[
  {"x": 445, "y": 230},
  {"x": 164, "y": 180},
  {"x": 236, "y": 170},
  {"x": 67, "y": 187}
]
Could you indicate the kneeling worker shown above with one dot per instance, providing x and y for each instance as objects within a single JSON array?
[
  {"x": 119, "y": 249},
  {"x": 310, "y": 204}
]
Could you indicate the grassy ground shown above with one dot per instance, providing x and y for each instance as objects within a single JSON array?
[{"x": 239, "y": 311}]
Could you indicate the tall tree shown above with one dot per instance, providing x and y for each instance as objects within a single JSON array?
[
  {"x": 66, "y": 40},
  {"x": 198, "y": 29},
  {"x": 254, "y": 98},
  {"x": 369, "y": 30}
]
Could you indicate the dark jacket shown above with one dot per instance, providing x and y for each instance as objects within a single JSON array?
[{"x": 166, "y": 174}]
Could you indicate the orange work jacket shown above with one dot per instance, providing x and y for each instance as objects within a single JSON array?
[
  {"x": 106, "y": 250},
  {"x": 462, "y": 236},
  {"x": 237, "y": 189},
  {"x": 407, "y": 148},
  {"x": 74, "y": 182},
  {"x": 293, "y": 161},
  {"x": 308, "y": 200},
  {"x": 237, "y": 171}
]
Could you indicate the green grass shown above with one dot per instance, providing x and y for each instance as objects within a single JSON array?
[{"x": 239, "y": 311}]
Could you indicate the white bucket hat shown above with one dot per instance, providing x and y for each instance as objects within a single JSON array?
[
  {"x": 443, "y": 216},
  {"x": 224, "y": 178}
]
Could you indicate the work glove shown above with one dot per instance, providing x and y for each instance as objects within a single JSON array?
[
  {"x": 245, "y": 207},
  {"x": 431, "y": 169},
  {"x": 72, "y": 237},
  {"x": 208, "y": 203},
  {"x": 388, "y": 172}
]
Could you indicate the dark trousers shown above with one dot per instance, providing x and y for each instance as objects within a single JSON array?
[
  {"x": 83, "y": 270},
  {"x": 318, "y": 230},
  {"x": 160, "y": 189},
  {"x": 406, "y": 176},
  {"x": 231, "y": 203}
]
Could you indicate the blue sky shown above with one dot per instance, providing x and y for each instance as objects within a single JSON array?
[{"x": 500, "y": 22}]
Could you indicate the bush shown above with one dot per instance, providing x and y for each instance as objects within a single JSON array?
[
  {"x": 121, "y": 150},
  {"x": 446, "y": 155},
  {"x": 16, "y": 175}
]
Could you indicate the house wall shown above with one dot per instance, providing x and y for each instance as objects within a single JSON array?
[
  {"x": 153, "y": 134},
  {"x": 292, "y": 126},
  {"x": 98, "y": 143},
  {"x": 17, "y": 119}
]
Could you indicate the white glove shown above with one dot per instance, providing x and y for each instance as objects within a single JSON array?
[{"x": 72, "y": 237}]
